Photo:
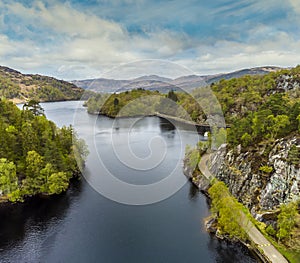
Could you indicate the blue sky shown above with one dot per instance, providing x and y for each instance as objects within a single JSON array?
[{"x": 83, "y": 39}]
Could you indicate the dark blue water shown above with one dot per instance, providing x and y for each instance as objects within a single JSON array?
[{"x": 83, "y": 226}]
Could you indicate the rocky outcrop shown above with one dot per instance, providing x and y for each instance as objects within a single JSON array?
[
  {"x": 262, "y": 178},
  {"x": 195, "y": 176},
  {"x": 287, "y": 82}
]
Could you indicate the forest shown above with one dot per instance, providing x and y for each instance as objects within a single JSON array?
[{"x": 36, "y": 157}]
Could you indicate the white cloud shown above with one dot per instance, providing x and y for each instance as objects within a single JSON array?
[
  {"x": 60, "y": 40},
  {"x": 278, "y": 50},
  {"x": 296, "y": 5},
  {"x": 77, "y": 38},
  {"x": 62, "y": 18}
]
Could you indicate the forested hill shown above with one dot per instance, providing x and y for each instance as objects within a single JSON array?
[
  {"x": 21, "y": 87},
  {"x": 36, "y": 157}
]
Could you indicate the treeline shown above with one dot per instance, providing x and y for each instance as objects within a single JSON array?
[
  {"x": 129, "y": 103},
  {"x": 139, "y": 102},
  {"x": 36, "y": 157}
]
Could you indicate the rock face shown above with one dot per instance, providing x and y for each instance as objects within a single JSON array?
[
  {"x": 261, "y": 190},
  {"x": 196, "y": 177},
  {"x": 287, "y": 82}
]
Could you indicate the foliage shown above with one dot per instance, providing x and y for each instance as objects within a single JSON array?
[
  {"x": 266, "y": 169},
  {"x": 286, "y": 221},
  {"x": 135, "y": 102},
  {"x": 270, "y": 230},
  {"x": 8, "y": 177},
  {"x": 34, "y": 107},
  {"x": 294, "y": 155},
  {"x": 228, "y": 211},
  {"x": 192, "y": 156},
  {"x": 171, "y": 95},
  {"x": 219, "y": 137},
  {"x": 35, "y": 155}
]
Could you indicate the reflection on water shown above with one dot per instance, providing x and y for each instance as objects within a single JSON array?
[
  {"x": 165, "y": 125},
  {"x": 237, "y": 254},
  {"x": 36, "y": 215},
  {"x": 193, "y": 192}
]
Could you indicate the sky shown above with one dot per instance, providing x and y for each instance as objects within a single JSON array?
[{"x": 84, "y": 39}]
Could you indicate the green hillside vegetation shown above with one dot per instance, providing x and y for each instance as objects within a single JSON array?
[
  {"x": 129, "y": 103},
  {"x": 138, "y": 102},
  {"x": 261, "y": 110},
  {"x": 21, "y": 87},
  {"x": 36, "y": 157},
  {"x": 258, "y": 108},
  {"x": 227, "y": 210}
]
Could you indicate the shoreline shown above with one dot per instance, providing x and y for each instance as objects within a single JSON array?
[
  {"x": 19, "y": 101},
  {"x": 201, "y": 128}
]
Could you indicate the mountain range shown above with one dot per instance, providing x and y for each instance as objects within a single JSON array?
[
  {"x": 20, "y": 87},
  {"x": 162, "y": 84}
]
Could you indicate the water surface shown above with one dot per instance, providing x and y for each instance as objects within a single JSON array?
[{"x": 83, "y": 226}]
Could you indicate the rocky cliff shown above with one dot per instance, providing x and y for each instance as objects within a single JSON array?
[{"x": 262, "y": 177}]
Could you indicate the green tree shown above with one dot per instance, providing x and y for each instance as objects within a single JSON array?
[
  {"x": 260, "y": 123},
  {"x": 171, "y": 95},
  {"x": 286, "y": 221},
  {"x": 34, "y": 106},
  {"x": 45, "y": 174},
  {"x": 277, "y": 125},
  {"x": 246, "y": 139},
  {"x": 8, "y": 177},
  {"x": 58, "y": 182},
  {"x": 34, "y": 164},
  {"x": 219, "y": 136},
  {"x": 228, "y": 210},
  {"x": 34, "y": 180}
]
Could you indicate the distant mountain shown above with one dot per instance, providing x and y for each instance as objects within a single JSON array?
[
  {"x": 20, "y": 87},
  {"x": 236, "y": 74},
  {"x": 154, "y": 82},
  {"x": 152, "y": 77},
  {"x": 151, "y": 82}
]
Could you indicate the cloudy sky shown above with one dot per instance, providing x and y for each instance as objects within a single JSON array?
[{"x": 83, "y": 39}]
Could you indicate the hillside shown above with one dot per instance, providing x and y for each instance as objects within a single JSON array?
[
  {"x": 260, "y": 163},
  {"x": 164, "y": 85},
  {"x": 20, "y": 87}
]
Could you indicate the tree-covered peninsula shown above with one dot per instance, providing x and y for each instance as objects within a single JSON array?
[{"x": 36, "y": 157}]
